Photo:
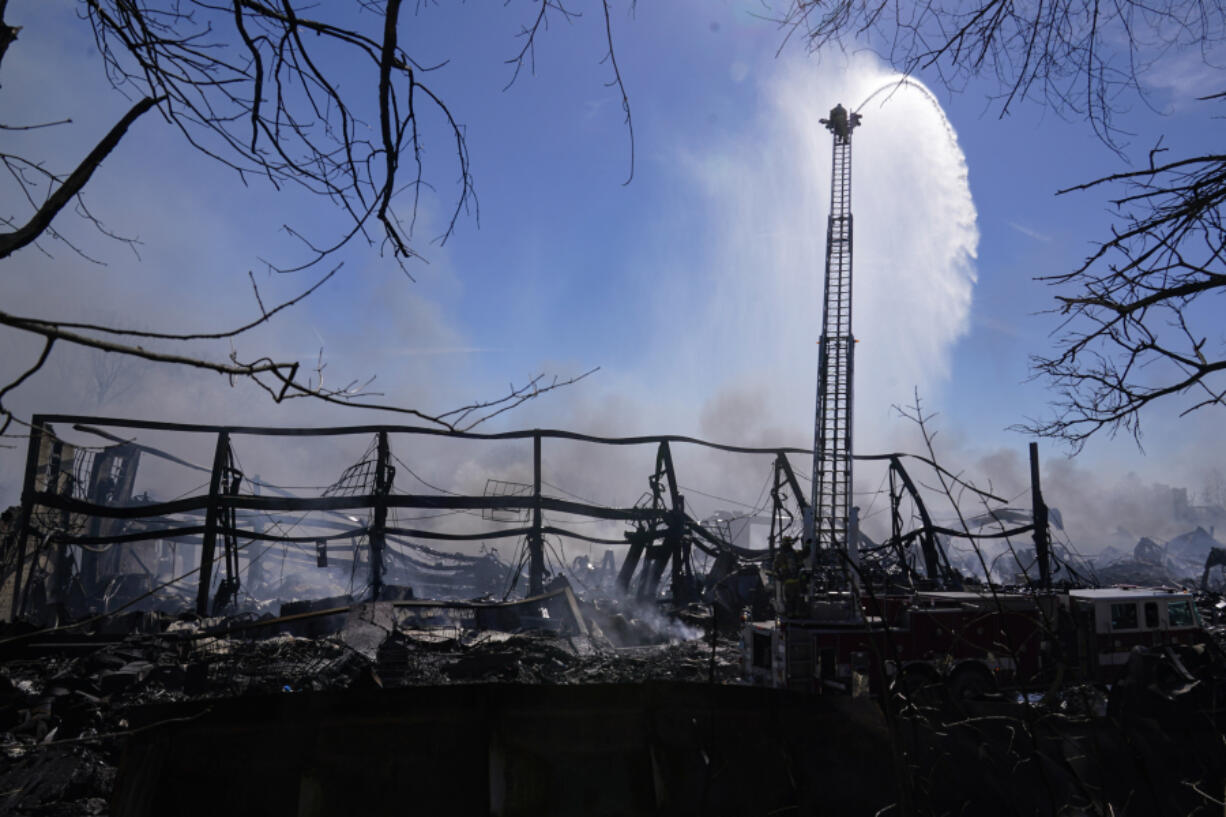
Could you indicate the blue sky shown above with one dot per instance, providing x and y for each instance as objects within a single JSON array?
[{"x": 695, "y": 287}]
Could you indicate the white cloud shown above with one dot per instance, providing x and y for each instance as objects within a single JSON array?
[
  {"x": 1186, "y": 74},
  {"x": 1029, "y": 233}
]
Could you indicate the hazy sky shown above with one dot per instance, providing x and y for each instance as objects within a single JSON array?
[{"x": 696, "y": 288}]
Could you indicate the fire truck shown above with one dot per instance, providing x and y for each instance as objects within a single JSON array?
[
  {"x": 966, "y": 642},
  {"x": 836, "y": 632}
]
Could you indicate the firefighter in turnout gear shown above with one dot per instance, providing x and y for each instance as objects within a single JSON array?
[{"x": 788, "y": 583}]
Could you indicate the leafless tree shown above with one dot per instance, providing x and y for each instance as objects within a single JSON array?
[
  {"x": 112, "y": 376},
  {"x": 255, "y": 86},
  {"x": 1143, "y": 321},
  {"x": 1142, "y": 312}
]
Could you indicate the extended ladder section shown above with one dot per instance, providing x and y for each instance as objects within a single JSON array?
[{"x": 831, "y": 498}]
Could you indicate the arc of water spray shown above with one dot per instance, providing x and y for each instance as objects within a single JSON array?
[{"x": 903, "y": 80}]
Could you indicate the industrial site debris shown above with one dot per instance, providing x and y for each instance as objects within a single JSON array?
[
  {"x": 359, "y": 643},
  {"x": 71, "y": 704},
  {"x": 248, "y": 636},
  {"x": 328, "y": 630}
]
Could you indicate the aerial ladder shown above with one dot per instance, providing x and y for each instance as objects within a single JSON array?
[{"x": 829, "y": 529}]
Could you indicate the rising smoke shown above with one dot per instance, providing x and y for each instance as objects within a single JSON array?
[{"x": 733, "y": 341}]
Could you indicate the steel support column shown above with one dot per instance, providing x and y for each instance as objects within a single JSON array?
[
  {"x": 384, "y": 475},
  {"x": 536, "y": 540},
  {"x": 37, "y": 430},
  {"x": 1042, "y": 545},
  {"x": 221, "y": 460}
]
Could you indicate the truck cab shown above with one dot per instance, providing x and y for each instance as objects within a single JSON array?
[{"x": 1107, "y": 623}]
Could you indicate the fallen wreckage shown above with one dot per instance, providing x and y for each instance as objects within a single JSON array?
[
  {"x": 846, "y": 626},
  {"x": 125, "y": 667}
]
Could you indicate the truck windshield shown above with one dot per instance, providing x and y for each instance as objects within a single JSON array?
[{"x": 1179, "y": 614}]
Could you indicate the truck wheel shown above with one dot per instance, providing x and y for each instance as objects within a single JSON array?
[
  {"x": 920, "y": 685},
  {"x": 971, "y": 681}
]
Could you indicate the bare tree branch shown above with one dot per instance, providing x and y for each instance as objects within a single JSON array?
[
  {"x": 38, "y": 364},
  {"x": 1141, "y": 324},
  {"x": 1078, "y": 57},
  {"x": 8, "y": 33},
  {"x": 611, "y": 56},
  {"x": 1142, "y": 314},
  {"x": 243, "y": 85},
  {"x": 72, "y": 186}
]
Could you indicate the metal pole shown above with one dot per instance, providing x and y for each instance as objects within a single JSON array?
[
  {"x": 639, "y": 540},
  {"x": 536, "y": 541},
  {"x": 255, "y": 567},
  {"x": 1042, "y": 545},
  {"x": 27, "y": 503},
  {"x": 383, "y": 486},
  {"x": 676, "y": 551},
  {"x": 221, "y": 458},
  {"x": 54, "y": 555},
  {"x": 932, "y": 563}
]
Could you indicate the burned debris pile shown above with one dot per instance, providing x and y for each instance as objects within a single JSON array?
[
  {"x": 1187, "y": 560},
  {"x": 70, "y": 710},
  {"x": 120, "y": 600},
  {"x": 283, "y": 632},
  {"x": 68, "y": 700}
]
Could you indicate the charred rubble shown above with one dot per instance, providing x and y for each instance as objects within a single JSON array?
[
  {"x": 120, "y": 601},
  {"x": 68, "y": 701},
  {"x": 75, "y": 714},
  {"x": 320, "y": 662}
]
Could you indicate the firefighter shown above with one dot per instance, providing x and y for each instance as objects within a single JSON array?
[
  {"x": 787, "y": 576},
  {"x": 840, "y": 122}
]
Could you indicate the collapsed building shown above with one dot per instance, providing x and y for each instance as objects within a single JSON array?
[
  {"x": 230, "y": 642},
  {"x": 325, "y": 613},
  {"x": 123, "y": 601},
  {"x": 86, "y": 542},
  {"x": 1186, "y": 560}
]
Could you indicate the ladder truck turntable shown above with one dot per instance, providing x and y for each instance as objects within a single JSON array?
[{"x": 843, "y": 637}]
